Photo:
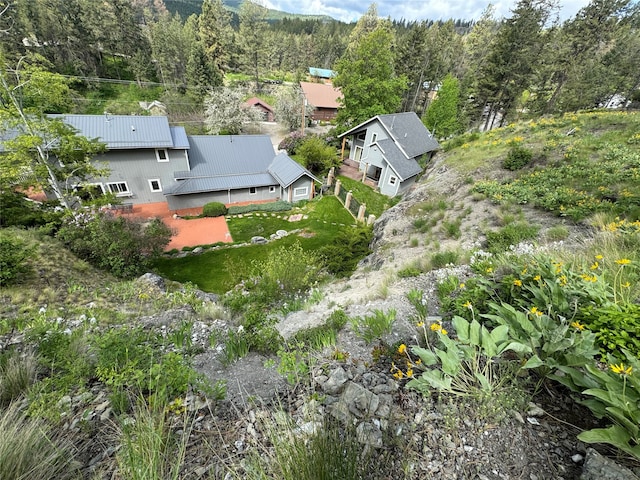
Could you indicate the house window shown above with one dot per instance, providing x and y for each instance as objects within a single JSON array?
[
  {"x": 155, "y": 185},
  {"x": 89, "y": 191},
  {"x": 121, "y": 189},
  {"x": 392, "y": 180},
  {"x": 357, "y": 155},
  {"x": 361, "y": 135},
  {"x": 374, "y": 137},
  {"x": 162, "y": 155},
  {"x": 272, "y": 189},
  {"x": 253, "y": 190},
  {"x": 301, "y": 191}
]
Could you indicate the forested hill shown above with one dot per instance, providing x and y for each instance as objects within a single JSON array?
[{"x": 194, "y": 7}]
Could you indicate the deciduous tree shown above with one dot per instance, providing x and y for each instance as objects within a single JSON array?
[
  {"x": 226, "y": 112},
  {"x": 42, "y": 151}
]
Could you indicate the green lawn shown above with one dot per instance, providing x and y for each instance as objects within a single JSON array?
[{"x": 219, "y": 270}]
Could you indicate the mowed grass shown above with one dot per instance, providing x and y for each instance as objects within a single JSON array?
[{"x": 219, "y": 270}]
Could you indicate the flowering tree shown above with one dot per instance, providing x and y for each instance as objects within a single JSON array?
[{"x": 226, "y": 112}]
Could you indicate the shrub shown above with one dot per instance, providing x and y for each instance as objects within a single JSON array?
[
  {"x": 17, "y": 210},
  {"x": 214, "y": 209},
  {"x": 318, "y": 157},
  {"x": 517, "y": 158},
  {"x": 292, "y": 142},
  {"x": 279, "y": 206},
  {"x": 13, "y": 256},
  {"x": 341, "y": 257},
  {"x": 125, "y": 247}
]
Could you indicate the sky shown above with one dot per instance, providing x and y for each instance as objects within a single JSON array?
[{"x": 352, "y": 10}]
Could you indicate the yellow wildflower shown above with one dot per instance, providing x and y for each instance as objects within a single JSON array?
[
  {"x": 563, "y": 280},
  {"x": 625, "y": 285},
  {"x": 462, "y": 286},
  {"x": 420, "y": 324},
  {"x": 435, "y": 327},
  {"x": 537, "y": 278},
  {"x": 623, "y": 261},
  {"x": 517, "y": 282},
  {"x": 620, "y": 369},
  {"x": 489, "y": 270},
  {"x": 409, "y": 373},
  {"x": 402, "y": 349},
  {"x": 599, "y": 257},
  {"x": 577, "y": 325},
  {"x": 418, "y": 362},
  {"x": 443, "y": 331},
  {"x": 595, "y": 266},
  {"x": 467, "y": 304},
  {"x": 536, "y": 312},
  {"x": 398, "y": 374}
]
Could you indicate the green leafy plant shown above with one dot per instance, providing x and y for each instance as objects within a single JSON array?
[
  {"x": 371, "y": 327},
  {"x": 295, "y": 362},
  {"x": 214, "y": 209},
  {"x": 545, "y": 340},
  {"x": 617, "y": 328},
  {"x": 442, "y": 259},
  {"x": 125, "y": 247},
  {"x": 236, "y": 346},
  {"x": 613, "y": 394}
]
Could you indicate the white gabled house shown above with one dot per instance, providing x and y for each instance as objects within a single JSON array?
[{"x": 391, "y": 150}]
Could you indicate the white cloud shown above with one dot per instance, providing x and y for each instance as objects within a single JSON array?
[{"x": 352, "y": 10}]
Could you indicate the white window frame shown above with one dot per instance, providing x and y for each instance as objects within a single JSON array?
[
  {"x": 393, "y": 180},
  {"x": 374, "y": 137},
  {"x": 357, "y": 154},
  {"x": 255, "y": 190},
  {"x": 117, "y": 191},
  {"x": 166, "y": 155},
  {"x": 272, "y": 189},
  {"x": 151, "y": 180},
  {"x": 95, "y": 184},
  {"x": 301, "y": 191}
]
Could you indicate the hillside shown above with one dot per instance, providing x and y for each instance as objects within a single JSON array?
[
  {"x": 441, "y": 257},
  {"x": 194, "y": 7}
]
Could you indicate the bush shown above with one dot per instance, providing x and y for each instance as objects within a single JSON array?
[
  {"x": 291, "y": 142},
  {"x": 17, "y": 210},
  {"x": 125, "y": 247},
  {"x": 517, "y": 158},
  {"x": 214, "y": 209},
  {"x": 279, "y": 206},
  {"x": 341, "y": 257},
  {"x": 442, "y": 259},
  {"x": 13, "y": 255},
  {"x": 318, "y": 157}
]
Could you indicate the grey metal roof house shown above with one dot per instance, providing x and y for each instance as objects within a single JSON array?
[
  {"x": 391, "y": 150},
  {"x": 150, "y": 161}
]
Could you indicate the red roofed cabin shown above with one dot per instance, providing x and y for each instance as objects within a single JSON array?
[
  {"x": 264, "y": 107},
  {"x": 324, "y": 98}
]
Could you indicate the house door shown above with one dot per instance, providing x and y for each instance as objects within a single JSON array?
[{"x": 375, "y": 173}]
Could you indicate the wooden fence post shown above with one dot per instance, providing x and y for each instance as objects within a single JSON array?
[
  {"x": 336, "y": 191},
  {"x": 361, "y": 212},
  {"x": 347, "y": 201}
]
